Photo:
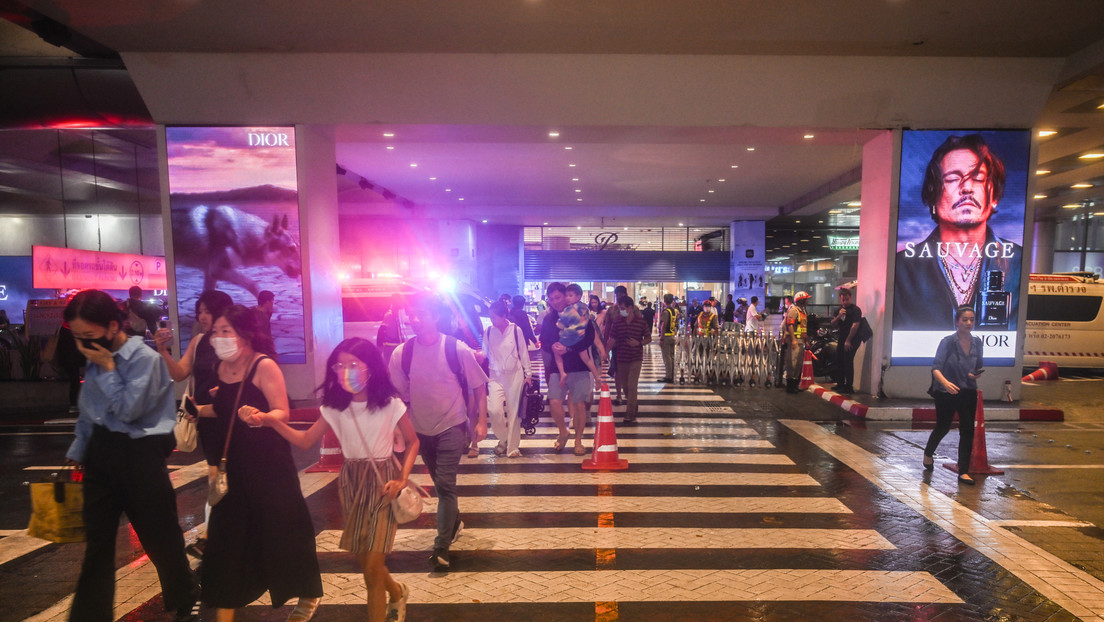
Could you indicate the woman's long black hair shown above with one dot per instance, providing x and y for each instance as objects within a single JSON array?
[
  {"x": 92, "y": 305},
  {"x": 380, "y": 389}
]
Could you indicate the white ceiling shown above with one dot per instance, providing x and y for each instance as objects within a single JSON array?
[{"x": 658, "y": 99}]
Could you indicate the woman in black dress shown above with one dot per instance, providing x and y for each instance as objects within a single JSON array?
[{"x": 260, "y": 537}]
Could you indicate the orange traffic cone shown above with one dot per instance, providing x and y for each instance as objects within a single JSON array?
[
  {"x": 979, "y": 457},
  {"x": 1048, "y": 370},
  {"x": 807, "y": 379},
  {"x": 604, "y": 457},
  {"x": 331, "y": 458}
]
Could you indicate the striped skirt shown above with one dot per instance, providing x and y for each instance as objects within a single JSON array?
[{"x": 369, "y": 523}]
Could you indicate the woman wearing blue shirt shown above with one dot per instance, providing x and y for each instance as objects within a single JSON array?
[
  {"x": 955, "y": 370},
  {"x": 123, "y": 435}
]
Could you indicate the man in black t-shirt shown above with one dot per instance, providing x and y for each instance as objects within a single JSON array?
[{"x": 846, "y": 321}]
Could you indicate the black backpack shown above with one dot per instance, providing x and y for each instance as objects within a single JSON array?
[
  {"x": 865, "y": 332},
  {"x": 452, "y": 355}
]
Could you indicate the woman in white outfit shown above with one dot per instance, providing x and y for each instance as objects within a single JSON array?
[{"x": 504, "y": 346}]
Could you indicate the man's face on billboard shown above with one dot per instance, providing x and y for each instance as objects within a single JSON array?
[{"x": 967, "y": 197}]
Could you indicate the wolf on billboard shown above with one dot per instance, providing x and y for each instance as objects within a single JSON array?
[
  {"x": 960, "y": 230},
  {"x": 235, "y": 224}
]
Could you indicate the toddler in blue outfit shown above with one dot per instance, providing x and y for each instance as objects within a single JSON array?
[{"x": 573, "y": 324}]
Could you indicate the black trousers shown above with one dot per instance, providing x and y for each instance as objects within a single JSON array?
[
  {"x": 122, "y": 474},
  {"x": 964, "y": 404},
  {"x": 845, "y": 365}
]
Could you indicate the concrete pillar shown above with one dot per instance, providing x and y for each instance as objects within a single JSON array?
[
  {"x": 499, "y": 252},
  {"x": 881, "y": 157},
  {"x": 748, "y": 261},
  {"x": 1042, "y": 251},
  {"x": 316, "y": 163}
]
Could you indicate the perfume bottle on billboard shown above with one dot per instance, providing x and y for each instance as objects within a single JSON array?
[{"x": 994, "y": 301}]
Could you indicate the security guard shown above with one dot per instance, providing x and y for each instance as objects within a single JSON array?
[
  {"x": 668, "y": 324},
  {"x": 796, "y": 335}
]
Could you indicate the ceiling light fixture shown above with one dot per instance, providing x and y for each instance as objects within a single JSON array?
[
  {"x": 1071, "y": 206},
  {"x": 712, "y": 191},
  {"x": 1092, "y": 156},
  {"x": 735, "y": 166},
  {"x": 432, "y": 179},
  {"x": 553, "y": 134},
  {"x": 568, "y": 148},
  {"x": 721, "y": 181},
  {"x": 1081, "y": 185},
  {"x": 546, "y": 224},
  {"x": 574, "y": 179},
  {"x": 413, "y": 165},
  {"x": 1040, "y": 196},
  {"x": 808, "y": 136},
  {"x": 1045, "y": 133},
  {"x": 484, "y": 221},
  {"x": 390, "y": 147},
  {"x": 571, "y": 165},
  {"x": 1042, "y": 171},
  {"x": 751, "y": 148},
  {"x": 388, "y": 134},
  {"x": 448, "y": 189},
  {"x": 854, "y": 204},
  {"x": 578, "y": 190},
  {"x": 681, "y": 225}
]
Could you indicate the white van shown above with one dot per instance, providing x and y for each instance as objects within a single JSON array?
[
  {"x": 1064, "y": 320},
  {"x": 364, "y": 302}
]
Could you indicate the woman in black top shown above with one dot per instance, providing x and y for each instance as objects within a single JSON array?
[
  {"x": 955, "y": 370},
  {"x": 260, "y": 537}
]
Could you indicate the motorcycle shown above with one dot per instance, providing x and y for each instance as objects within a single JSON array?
[{"x": 823, "y": 341}]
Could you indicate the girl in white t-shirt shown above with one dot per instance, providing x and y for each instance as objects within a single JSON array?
[{"x": 360, "y": 405}]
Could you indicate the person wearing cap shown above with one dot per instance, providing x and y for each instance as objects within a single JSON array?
[
  {"x": 707, "y": 320},
  {"x": 795, "y": 336},
  {"x": 741, "y": 311}
]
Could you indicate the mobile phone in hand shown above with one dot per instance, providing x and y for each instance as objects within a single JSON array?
[
  {"x": 190, "y": 406},
  {"x": 978, "y": 372},
  {"x": 163, "y": 323}
]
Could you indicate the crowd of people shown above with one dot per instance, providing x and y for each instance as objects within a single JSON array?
[{"x": 429, "y": 395}]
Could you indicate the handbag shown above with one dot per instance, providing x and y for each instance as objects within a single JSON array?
[
  {"x": 185, "y": 429},
  {"x": 408, "y": 504},
  {"x": 221, "y": 485},
  {"x": 56, "y": 511}
]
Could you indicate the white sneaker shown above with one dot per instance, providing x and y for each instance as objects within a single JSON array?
[{"x": 396, "y": 609}]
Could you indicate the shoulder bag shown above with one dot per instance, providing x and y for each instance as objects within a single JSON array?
[
  {"x": 220, "y": 485},
  {"x": 407, "y": 505},
  {"x": 185, "y": 429}
]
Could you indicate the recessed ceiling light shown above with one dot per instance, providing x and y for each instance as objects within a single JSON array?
[
  {"x": 545, "y": 223},
  {"x": 413, "y": 165},
  {"x": 448, "y": 189},
  {"x": 751, "y": 148},
  {"x": 721, "y": 181},
  {"x": 390, "y": 147},
  {"x": 854, "y": 204},
  {"x": 577, "y": 228},
  {"x": 568, "y": 148},
  {"x": 574, "y": 179},
  {"x": 579, "y": 199},
  {"x": 701, "y": 200},
  {"x": 712, "y": 191},
  {"x": 735, "y": 166},
  {"x": 1042, "y": 171},
  {"x": 1040, "y": 196},
  {"x": 1045, "y": 133},
  {"x": 553, "y": 134},
  {"x": 578, "y": 190},
  {"x": 798, "y": 222},
  {"x": 1081, "y": 185},
  {"x": 804, "y": 240},
  {"x": 681, "y": 225},
  {"x": 1071, "y": 206},
  {"x": 432, "y": 179},
  {"x": 807, "y": 136},
  {"x": 388, "y": 134},
  {"x": 804, "y": 250},
  {"x": 626, "y": 229},
  {"x": 820, "y": 222},
  {"x": 835, "y": 211},
  {"x": 1092, "y": 156},
  {"x": 461, "y": 199},
  {"x": 571, "y": 165},
  {"x": 1101, "y": 106},
  {"x": 484, "y": 221}
]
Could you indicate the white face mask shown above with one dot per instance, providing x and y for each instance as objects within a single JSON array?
[
  {"x": 226, "y": 348},
  {"x": 624, "y": 312}
]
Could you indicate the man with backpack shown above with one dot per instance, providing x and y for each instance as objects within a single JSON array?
[
  {"x": 142, "y": 317},
  {"x": 435, "y": 374}
]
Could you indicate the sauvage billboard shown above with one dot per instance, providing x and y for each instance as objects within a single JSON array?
[
  {"x": 235, "y": 224},
  {"x": 960, "y": 229}
]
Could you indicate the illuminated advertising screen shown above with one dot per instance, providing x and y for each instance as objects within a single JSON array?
[
  {"x": 960, "y": 229},
  {"x": 235, "y": 224},
  {"x": 17, "y": 287},
  {"x": 65, "y": 268}
]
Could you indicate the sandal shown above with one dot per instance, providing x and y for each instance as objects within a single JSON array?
[
  {"x": 473, "y": 452},
  {"x": 560, "y": 443},
  {"x": 580, "y": 450},
  {"x": 514, "y": 454},
  {"x": 500, "y": 450},
  {"x": 304, "y": 610}
]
